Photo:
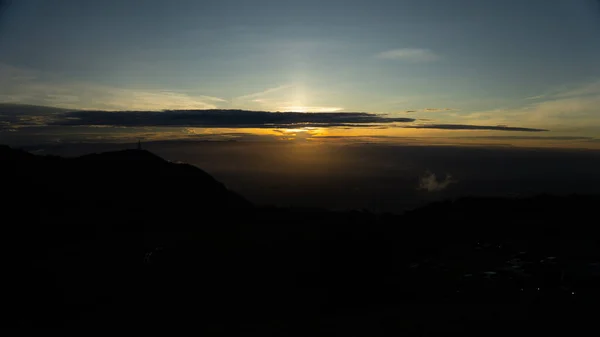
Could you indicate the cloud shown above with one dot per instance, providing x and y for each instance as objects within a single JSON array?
[
  {"x": 265, "y": 92},
  {"x": 562, "y": 108},
  {"x": 587, "y": 89},
  {"x": 211, "y": 98},
  {"x": 281, "y": 98},
  {"x": 409, "y": 54},
  {"x": 9, "y": 74},
  {"x": 431, "y": 110},
  {"x": 532, "y": 98},
  {"x": 473, "y": 127},
  {"x": 562, "y": 138},
  {"x": 438, "y": 109},
  {"x": 429, "y": 182},
  {"x": 311, "y": 109},
  {"x": 24, "y": 86},
  {"x": 14, "y": 116}
]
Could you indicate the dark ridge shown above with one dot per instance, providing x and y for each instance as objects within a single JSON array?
[
  {"x": 128, "y": 240},
  {"x": 121, "y": 189},
  {"x": 8, "y": 154},
  {"x": 124, "y": 155}
]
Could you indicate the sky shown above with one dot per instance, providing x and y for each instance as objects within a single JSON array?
[{"x": 522, "y": 73}]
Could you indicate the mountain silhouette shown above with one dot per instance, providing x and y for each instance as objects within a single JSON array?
[
  {"x": 93, "y": 217},
  {"x": 123, "y": 187},
  {"x": 127, "y": 239}
]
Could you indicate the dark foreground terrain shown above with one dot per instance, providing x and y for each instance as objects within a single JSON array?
[{"x": 126, "y": 241}]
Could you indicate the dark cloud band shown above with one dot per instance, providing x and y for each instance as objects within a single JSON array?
[
  {"x": 224, "y": 119},
  {"x": 474, "y": 127},
  {"x": 16, "y": 116}
]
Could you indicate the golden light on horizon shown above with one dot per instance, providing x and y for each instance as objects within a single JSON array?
[
  {"x": 300, "y": 108},
  {"x": 392, "y": 135}
]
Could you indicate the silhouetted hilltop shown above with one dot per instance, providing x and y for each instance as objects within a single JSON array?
[
  {"x": 127, "y": 239},
  {"x": 8, "y": 154},
  {"x": 123, "y": 187},
  {"x": 131, "y": 155}
]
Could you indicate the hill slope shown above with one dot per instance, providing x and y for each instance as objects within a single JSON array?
[
  {"x": 117, "y": 188},
  {"x": 129, "y": 239}
]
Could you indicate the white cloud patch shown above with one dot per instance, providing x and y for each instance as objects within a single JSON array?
[
  {"x": 257, "y": 95},
  {"x": 25, "y": 86},
  {"x": 198, "y": 94},
  {"x": 532, "y": 98},
  {"x": 429, "y": 182},
  {"x": 589, "y": 89},
  {"x": 310, "y": 109},
  {"x": 431, "y": 110},
  {"x": 409, "y": 54},
  {"x": 284, "y": 98},
  {"x": 576, "y": 106}
]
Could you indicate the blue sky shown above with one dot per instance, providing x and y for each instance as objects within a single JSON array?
[{"x": 531, "y": 63}]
